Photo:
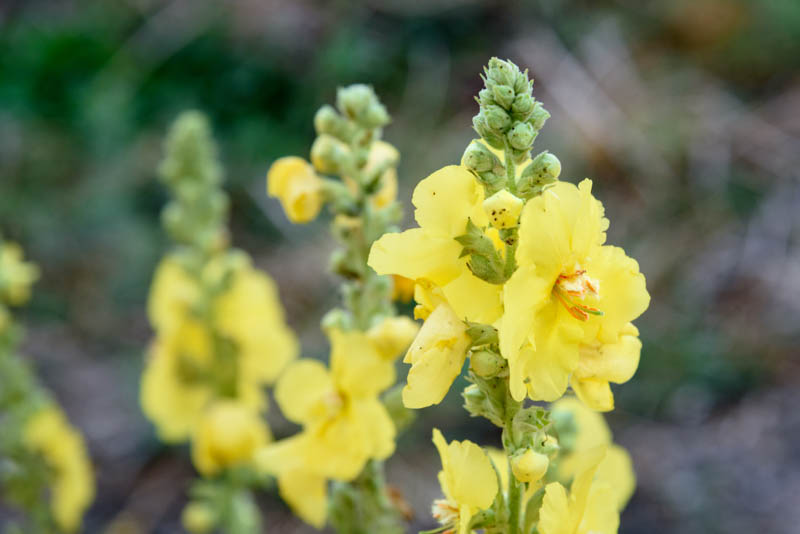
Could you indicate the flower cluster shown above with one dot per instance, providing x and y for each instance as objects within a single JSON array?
[
  {"x": 46, "y": 469},
  {"x": 512, "y": 270},
  {"x": 220, "y": 337}
]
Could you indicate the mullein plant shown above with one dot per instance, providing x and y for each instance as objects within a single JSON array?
[
  {"x": 331, "y": 471},
  {"x": 44, "y": 465},
  {"x": 220, "y": 338},
  {"x": 512, "y": 272}
]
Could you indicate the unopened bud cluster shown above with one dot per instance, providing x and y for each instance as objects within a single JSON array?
[{"x": 346, "y": 133}]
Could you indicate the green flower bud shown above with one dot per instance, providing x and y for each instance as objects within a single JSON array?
[
  {"x": 477, "y": 157},
  {"x": 522, "y": 85},
  {"x": 543, "y": 170},
  {"x": 485, "y": 97},
  {"x": 355, "y": 100},
  {"x": 502, "y": 72},
  {"x": 549, "y": 445},
  {"x": 539, "y": 116},
  {"x": 529, "y": 465},
  {"x": 497, "y": 118},
  {"x": 522, "y": 106},
  {"x": 328, "y": 155},
  {"x": 521, "y": 136},
  {"x": 503, "y": 95},
  {"x": 480, "y": 125},
  {"x": 478, "y": 404},
  {"x": 485, "y": 363},
  {"x": 376, "y": 116},
  {"x": 327, "y": 121}
]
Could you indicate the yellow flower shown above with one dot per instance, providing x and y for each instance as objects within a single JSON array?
[
  {"x": 62, "y": 448},
  {"x": 601, "y": 363},
  {"x": 344, "y": 422},
  {"x": 569, "y": 289},
  {"x": 304, "y": 489},
  {"x": 402, "y": 288},
  {"x": 503, "y": 209},
  {"x": 16, "y": 275},
  {"x": 228, "y": 434},
  {"x": 444, "y": 202},
  {"x": 243, "y": 345},
  {"x": 295, "y": 183},
  {"x": 392, "y": 336},
  {"x": 616, "y": 468},
  {"x": 468, "y": 482},
  {"x": 436, "y": 357},
  {"x": 588, "y": 509}
]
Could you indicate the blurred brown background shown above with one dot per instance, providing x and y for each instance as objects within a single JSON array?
[{"x": 685, "y": 113}]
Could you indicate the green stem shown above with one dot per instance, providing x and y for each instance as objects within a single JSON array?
[{"x": 511, "y": 171}]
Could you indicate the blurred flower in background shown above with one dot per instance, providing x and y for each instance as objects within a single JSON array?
[{"x": 685, "y": 114}]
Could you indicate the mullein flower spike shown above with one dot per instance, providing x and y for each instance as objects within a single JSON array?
[
  {"x": 330, "y": 472},
  {"x": 512, "y": 271},
  {"x": 220, "y": 336},
  {"x": 46, "y": 468}
]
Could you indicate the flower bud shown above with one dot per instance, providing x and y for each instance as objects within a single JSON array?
[
  {"x": 543, "y": 170},
  {"x": 376, "y": 116},
  {"x": 521, "y": 136},
  {"x": 503, "y": 209},
  {"x": 328, "y": 154},
  {"x": 485, "y": 363},
  {"x": 477, "y": 157},
  {"x": 355, "y": 100},
  {"x": 549, "y": 445},
  {"x": 529, "y": 466},
  {"x": 503, "y": 95},
  {"x": 392, "y": 336},
  {"x": 482, "y": 127},
  {"x": 474, "y": 400},
  {"x": 327, "y": 121},
  {"x": 485, "y": 97},
  {"x": 497, "y": 118},
  {"x": 522, "y": 84},
  {"x": 539, "y": 116},
  {"x": 502, "y": 72},
  {"x": 522, "y": 106},
  {"x": 198, "y": 518}
]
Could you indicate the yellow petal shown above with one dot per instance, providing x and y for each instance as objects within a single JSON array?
[
  {"x": 446, "y": 199},
  {"x": 596, "y": 394},
  {"x": 307, "y": 494},
  {"x": 282, "y": 172},
  {"x": 600, "y": 515},
  {"x": 293, "y": 181},
  {"x": 473, "y": 299},
  {"x": 340, "y": 447},
  {"x": 524, "y": 295},
  {"x": 357, "y": 368},
  {"x": 172, "y": 294},
  {"x": 379, "y": 428},
  {"x": 417, "y": 254},
  {"x": 437, "y": 356},
  {"x": 302, "y": 390},
  {"x": 250, "y": 313},
  {"x": 549, "y": 365},
  {"x": 464, "y": 517},
  {"x": 554, "y": 513},
  {"x": 623, "y": 293},
  {"x": 614, "y": 362},
  {"x": 392, "y": 336},
  {"x": 469, "y": 475},
  {"x": 617, "y": 470}
]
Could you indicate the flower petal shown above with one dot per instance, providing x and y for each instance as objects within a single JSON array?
[{"x": 446, "y": 199}]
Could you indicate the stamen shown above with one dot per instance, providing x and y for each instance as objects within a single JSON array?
[{"x": 577, "y": 285}]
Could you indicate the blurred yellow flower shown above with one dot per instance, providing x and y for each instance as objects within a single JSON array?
[
  {"x": 436, "y": 357},
  {"x": 63, "y": 450},
  {"x": 569, "y": 289},
  {"x": 16, "y": 275},
  {"x": 468, "y": 482},
  {"x": 232, "y": 348},
  {"x": 529, "y": 466},
  {"x": 228, "y": 434},
  {"x": 591, "y": 431},
  {"x": 344, "y": 422},
  {"x": 588, "y": 509},
  {"x": 295, "y": 183}
]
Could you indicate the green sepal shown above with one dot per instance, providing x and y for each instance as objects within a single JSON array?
[{"x": 485, "y": 261}]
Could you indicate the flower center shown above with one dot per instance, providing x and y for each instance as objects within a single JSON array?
[
  {"x": 333, "y": 402},
  {"x": 445, "y": 512},
  {"x": 571, "y": 288}
]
